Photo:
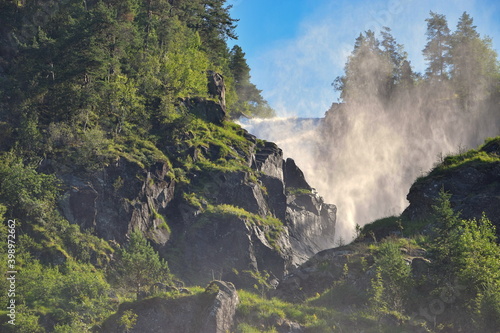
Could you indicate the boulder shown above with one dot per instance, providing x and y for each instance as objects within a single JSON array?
[
  {"x": 210, "y": 312},
  {"x": 210, "y": 111},
  {"x": 219, "y": 316}
]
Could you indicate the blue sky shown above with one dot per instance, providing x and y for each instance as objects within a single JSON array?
[{"x": 296, "y": 48}]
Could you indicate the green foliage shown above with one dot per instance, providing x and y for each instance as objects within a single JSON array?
[
  {"x": 471, "y": 157},
  {"x": 437, "y": 49},
  {"x": 298, "y": 191},
  {"x": 128, "y": 320},
  {"x": 139, "y": 265},
  {"x": 376, "y": 300},
  {"x": 262, "y": 283},
  {"x": 392, "y": 281},
  {"x": 185, "y": 63},
  {"x": 249, "y": 100},
  {"x": 467, "y": 251},
  {"x": 474, "y": 62},
  {"x": 70, "y": 293},
  {"x": 136, "y": 150},
  {"x": 461, "y": 68},
  {"x": 25, "y": 191}
]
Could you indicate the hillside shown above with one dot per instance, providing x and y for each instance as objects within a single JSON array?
[
  {"x": 131, "y": 201},
  {"x": 435, "y": 271},
  {"x": 122, "y": 175}
]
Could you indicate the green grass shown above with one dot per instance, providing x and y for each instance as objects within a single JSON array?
[
  {"x": 217, "y": 148},
  {"x": 317, "y": 315},
  {"x": 264, "y": 312},
  {"x": 298, "y": 191},
  {"x": 474, "y": 157},
  {"x": 271, "y": 226},
  {"x": 135, "y": 150}
]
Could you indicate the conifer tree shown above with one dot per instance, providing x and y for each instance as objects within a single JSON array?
[
  {"x": 368, "y": 72},
  {"x": 473, "y": 62},
  {"x": 437, "y": 49},
  {"x": 140, "y": 265},
  {"x": 250, "y": 101}
]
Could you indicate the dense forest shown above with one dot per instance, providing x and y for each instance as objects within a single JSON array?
[{"x": 92, "y": 89}]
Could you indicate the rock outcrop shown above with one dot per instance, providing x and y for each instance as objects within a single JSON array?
[
  {"x": 210, "y": 312},
  {"x": 317, "y": 274},
  {"x": 120, "y": 198},
  {"x": 211, "y": 111},
  {"x": 217, "y": 88},
  {"x": 474, "y": 187},
  {"x": 224, "y": 244}
]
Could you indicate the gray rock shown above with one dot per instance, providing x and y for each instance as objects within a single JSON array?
[
  {"x": 217, "y": 88},
  {"x": 120, "y": 198},
  {"x": 210, "y": 312},
  {"x": 219, "y": 316},
  {"x": 208, "y": 110},
  {"x": 474, "y": 189},
  {"x": 294, "y": 177}
]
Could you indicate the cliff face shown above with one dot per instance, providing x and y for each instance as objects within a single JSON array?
[
  {"x": 219, "y": 222},
  {"x": 285, "y": 225},
  {"x": 472, "y": 179},
  {"x": 120, "y": 198}
]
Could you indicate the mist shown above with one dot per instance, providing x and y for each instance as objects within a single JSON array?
[{"x": 364, "y": 155}]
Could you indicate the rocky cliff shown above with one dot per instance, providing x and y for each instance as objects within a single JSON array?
[
  {"x": 472, "y": 179},
  {"x": 255, "y": 212},
  {"x": 244, "y": 224}
]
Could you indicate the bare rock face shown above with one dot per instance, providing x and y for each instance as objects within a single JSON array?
[
  {"x": 294, "y": 177},
  {"x": 118, "y": 199},
  {"x": 311, "y": 224},
  {"x": 218, "y": 224},
  {"x": 210, "y": 312}
]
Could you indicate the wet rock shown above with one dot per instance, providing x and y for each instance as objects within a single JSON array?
[{"x": 294, "y": 177}]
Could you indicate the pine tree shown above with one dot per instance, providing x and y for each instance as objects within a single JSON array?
[
  {"x": 437, "y": 49},
  {"x": 140, "y": 265},
  {"x": 395, "y": 52},
  {"x": 250, "y": 101},
  {"x": 473, "y": 62},
  {"x": 368, "y": 72}
]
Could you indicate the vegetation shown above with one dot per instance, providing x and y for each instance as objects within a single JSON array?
[
  {"x": 86, "y": 83},
  {"x": 83, "y": 84},
  {"x": 453, "y": 288},
  {"x": 462, "y": 67},
  {"x": 139, "y": 265}
]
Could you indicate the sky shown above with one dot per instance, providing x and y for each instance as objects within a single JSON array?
[{"x": 296, "y": 48}]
